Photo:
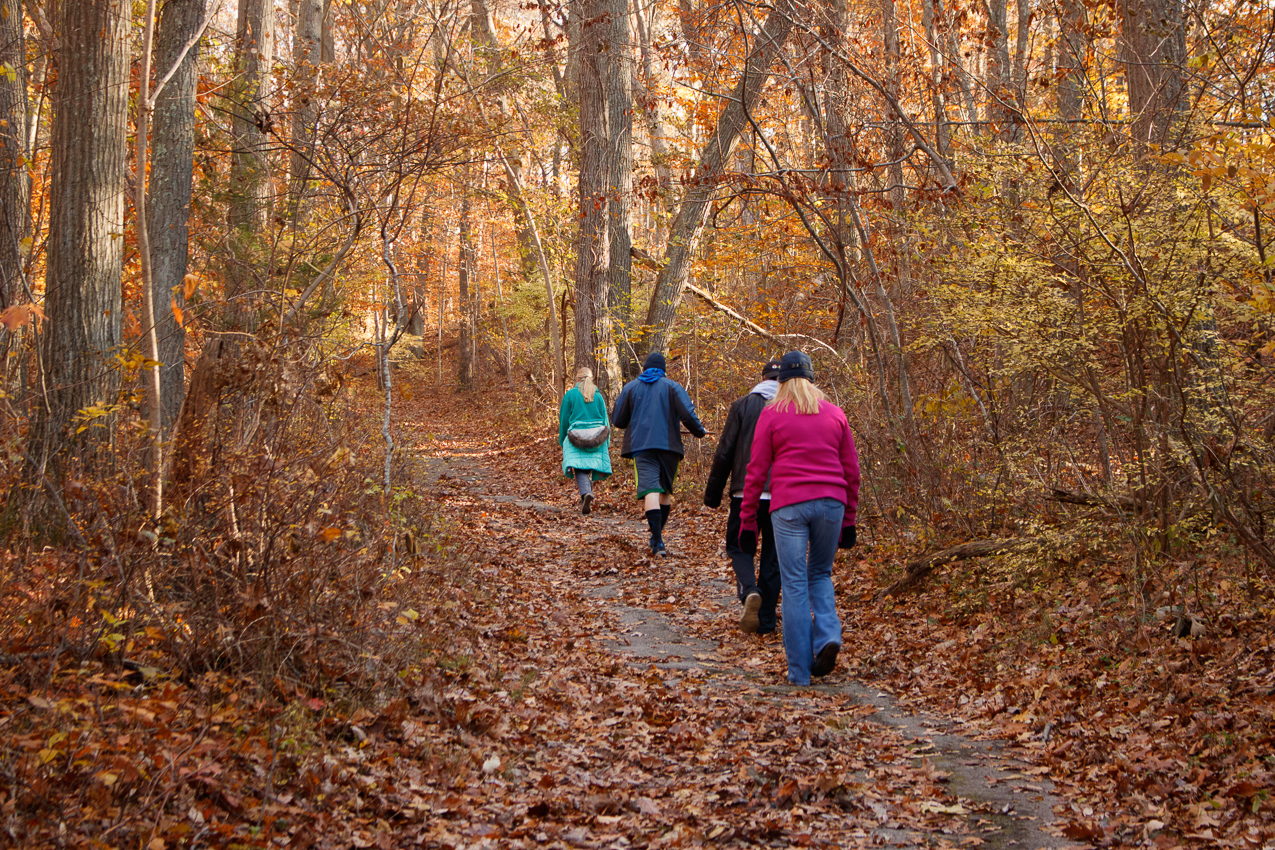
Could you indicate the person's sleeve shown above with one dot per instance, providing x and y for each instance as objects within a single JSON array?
[
  {"x": 723, "y": 457},
  {"x": 686, "y": 412},
  {"x": 850, "y": 463},
  {"x": 563, "y": 419},
  {"x": 623, "y": 409},
  {"x": 758, "y": 470}
]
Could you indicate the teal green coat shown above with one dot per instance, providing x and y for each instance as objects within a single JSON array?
[{"x": 575, "y": 412}]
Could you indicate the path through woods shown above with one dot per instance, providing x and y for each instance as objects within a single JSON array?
[{"x": 639, "y": 715}]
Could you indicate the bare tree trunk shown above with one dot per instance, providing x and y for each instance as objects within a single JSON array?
[
  {"x": 646, "y": 83},
  {"x": 687, "y": 227},
  {"x": 85, "y": 254},
  {"x": 250, "y": 196},
  {"x": 593, "y": 246},
  {"x": 15, "y": 186},
  {"x": 307, "y": 49},
  {"x": 1153, "y": 38},
  {"x": 1070, "y": 90},
  {"x": 618, "y": 69},
  {"x": 999, "y": 96},
  {"x": 465, "y": 268},
  {"x": 169, "y": 196},
  {"x": 938, "y": 70}
]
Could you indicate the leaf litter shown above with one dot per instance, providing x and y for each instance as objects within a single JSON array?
[{"x": 519, "y": 727}]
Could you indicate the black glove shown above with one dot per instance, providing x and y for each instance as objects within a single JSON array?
[
  {"x": 848, "y": 537},
  {"x": 748, "y": 541},
  {"x": 711, "y": 501}
]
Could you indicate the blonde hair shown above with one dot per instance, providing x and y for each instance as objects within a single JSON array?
[
  {"x": 800, "y": 393},
  {"x": 584, "y": 380}
]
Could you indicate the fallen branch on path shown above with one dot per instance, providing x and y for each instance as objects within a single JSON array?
[{"x": 919, "y": 568}]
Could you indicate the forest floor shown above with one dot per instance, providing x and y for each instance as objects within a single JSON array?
[{"x": 571, "y": 691}]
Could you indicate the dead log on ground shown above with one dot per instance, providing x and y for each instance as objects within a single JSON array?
[
  {"x": 1069, "y": 497},
  {"x": 919, "y": 568}
]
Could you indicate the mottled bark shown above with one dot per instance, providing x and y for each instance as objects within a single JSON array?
[
  {"x": 618, "y": 69},
  {"x": 249, "y": 199},
  {"x": 86, "y": 220},
  {"x": 169, "y": 196},
  {"x": 307, "y": 42},
  {"x": 593, "y": 245}
]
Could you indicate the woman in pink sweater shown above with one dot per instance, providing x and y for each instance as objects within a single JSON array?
[{"x": 803, "y": 441}]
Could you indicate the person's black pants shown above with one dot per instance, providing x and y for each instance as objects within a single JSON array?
[{"x": 765, "y": 580}]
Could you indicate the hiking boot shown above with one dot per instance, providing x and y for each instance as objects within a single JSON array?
[
  {"x": 658, "y": 549},
  {"x": 749, "y": 621},
  {"x": 586, "y": 504},
  {"x": 825, "y": 660}
]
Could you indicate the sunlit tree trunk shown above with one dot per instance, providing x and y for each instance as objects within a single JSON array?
[
  {"x": 168, "y": 201},
  {"x": 86, "y": 220},
  {"x": 15, "y": 187}
]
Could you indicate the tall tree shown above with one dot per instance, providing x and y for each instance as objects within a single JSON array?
[
  {"x": 1153, "y": 37},
  {"x": 619, "y": 70},
  {"x": 688, "y": 226},
  {"x": 86, "y": 222},
  {"x": 169, "y": 195},
  {"x": 465, "y": 271},
  {"x": 307, "y": 49},
  {"x": 15, "y": 191},
  {"x": 249, "y": 208},
  {"x": 602, "y": 279}
]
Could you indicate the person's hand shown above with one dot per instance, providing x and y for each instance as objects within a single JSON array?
[
  {"x": 711, "y": 501},
  {"x": 848, "y": 537},
  {"x": 748, "y": 541}
]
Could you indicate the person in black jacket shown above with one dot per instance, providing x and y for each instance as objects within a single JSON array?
[{"x": 758, "y": 591}]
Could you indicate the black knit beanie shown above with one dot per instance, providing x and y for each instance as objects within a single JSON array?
[
  {"x": 655, "y": 360},
  {"x": 795, "y": 364}
]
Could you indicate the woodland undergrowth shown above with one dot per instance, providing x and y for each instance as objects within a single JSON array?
[{"x": 293, "y": 653}]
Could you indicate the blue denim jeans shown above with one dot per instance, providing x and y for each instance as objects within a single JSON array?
[{"x": 806, "y": 536}]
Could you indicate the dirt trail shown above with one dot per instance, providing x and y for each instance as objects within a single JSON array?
[{"x": 675, "y": 618}]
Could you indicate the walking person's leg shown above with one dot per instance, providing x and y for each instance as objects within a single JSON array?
[
  {"x": 740, "y": 561},
  {"x": 651, "y": 489},
  {"x": 584, "y": 483},
  {"x": 791, "y": 540},
  {"x": 825, "y": 530},
  {"x": 768, "y": 581}
]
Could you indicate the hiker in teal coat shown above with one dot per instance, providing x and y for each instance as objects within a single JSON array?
[{"x": 583, "y": 408}]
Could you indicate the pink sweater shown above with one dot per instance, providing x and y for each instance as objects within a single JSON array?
[{"x": 809, "y": 456}]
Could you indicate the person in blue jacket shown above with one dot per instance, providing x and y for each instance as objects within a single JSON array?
[{"x": 651, "y": 409}]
